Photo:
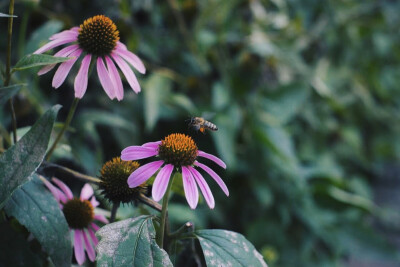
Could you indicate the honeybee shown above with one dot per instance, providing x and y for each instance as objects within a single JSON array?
[{"x": 200, "y": 124}]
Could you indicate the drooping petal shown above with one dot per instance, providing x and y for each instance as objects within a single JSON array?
[
  {"x": 152, "y": 145},
  {"x": 121, "y": 46},
  {"x": 89, "y": 247},
  {"x": 93, "y": 237},
  {"x": 78, "y": 247},
  {"x": 214, "y": 176},
  {"x": 190, "y": 188},
  {"x": 58, "y": 195},
  {"x": 116, "y": 80},
  {"x": 65, "y": 52},
  {"x": 129, "y": 75},
  {"x": 143, "y": 173},
  {"x": 64, "y": 188},
  {"x": 161, "y": 182},
  {"x": 64, "y": 68},
  {"x": 205, "y": 189},
  {"x": 100, "y": 218},
  {"x": 137, "y": 152},
  {"x": 132, "y": 59},
  {"x": 55, "y": 43},
  {"x": 95, "y": 227},
  {"x": 94, "y": 202},
  {"x": 212, "y": 157},
  {"x": 64, "y": 34},
  {"x": 104, "y": 78},
  {"x": 81, "y": 80},
  {"x": 86, "y": 192}
]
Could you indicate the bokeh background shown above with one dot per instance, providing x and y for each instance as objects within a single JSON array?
[{"x": 305, "y": 95}]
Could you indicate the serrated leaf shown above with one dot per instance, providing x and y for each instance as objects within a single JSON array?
[
  {"x": 35, "y": 208},
  {"x": 130, "y": 242},
  {"x": 34, "y": 60},
  {"x": 8, "y": 92},
  {"x": 14, "y": 249},
  {"x": 23, "y": 158},
  {"x": 226, "y": 248},
  {"x": 2, "y": 15}
]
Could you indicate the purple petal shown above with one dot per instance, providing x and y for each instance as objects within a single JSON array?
[
  {"x": 212, "y": 157},
  {"x": 93, "y": 236},
  {"x": 95, "y": 227},
  {"x": 55, "y": 43},
  {"x": 89, "y": 247},
  {"x": 190, "y": 188},
  {"x": 94, "y": 202},
  {"x": 104, "y": 78},
  {"x": 64, "y": 68},
  {"x": 58, "y": 195},
  {"x": 116, "y": 80},
  {"x": 64, "y": 188},
  {"x": 65, "y": 52},
  {"x": 78, "y": 247},
  {"x": 143, "y": 173},
  {"x": 205, "y": 189},
  {"x": 214, "y": 176},
  {"x": 86, "y": 192},
  {"x": 121, "y": 46},
  {"x": 81, "y": 80},
  {"x": 64, "y": 35},
  {"x": 100, "y": 218},
  {"x": 161, "y": 182},
  {"x": 132, "y": 59},
  {"x": 152, "y": 145},
  {"x": 129, "y": 75},
  {"x": 137, "y": 152}
]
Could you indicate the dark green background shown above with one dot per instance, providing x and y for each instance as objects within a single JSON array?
[{"x": 305, "y": 95}]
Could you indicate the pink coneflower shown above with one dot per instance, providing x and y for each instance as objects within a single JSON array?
[
  {"x": 96, "y": 39},
  {"x": 79, "y": 213},
  {"x": 177, "y": 151}
]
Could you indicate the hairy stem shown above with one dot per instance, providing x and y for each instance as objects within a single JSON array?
[{"x": 66, "y": 124}]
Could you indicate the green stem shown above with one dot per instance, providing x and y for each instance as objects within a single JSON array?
[
  {"x": 8, "y": 69},
  {"x": 114, "y": 212},
  {"x": 164, "y": 212},
  {"x": 66, "y": 124}
]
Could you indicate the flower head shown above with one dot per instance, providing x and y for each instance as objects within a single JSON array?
[
  {"x": 177, "y": 151},
  {"x": 113, "y": 178},
  {"x": 96, "y": 39},
  {"x": 79, "y": 213}
]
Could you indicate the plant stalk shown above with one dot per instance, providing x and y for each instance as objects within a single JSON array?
[
  {"x": 164, "y": 212},
  {"x": 8, "y": 69},
  {"x": 114, "y": 212},
  {"x": 66, "y": 124}
]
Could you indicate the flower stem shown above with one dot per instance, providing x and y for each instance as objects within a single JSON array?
[
  {"x": 164, "y": 213},
  {"x": 8, "y": 69},
  {"x": 66, "y": 124},
  {"x": 114, "y": 212}
]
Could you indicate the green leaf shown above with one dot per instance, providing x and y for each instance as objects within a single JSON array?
[
  {"x": 2, "y": 15},
  {"x": 41, "y": 36},
  {"x": 157, "y": 88},
  {"x": 36, "y": 208},
  {"x": 14, "y": 249},
  {"x": 226, "y": 248},
  {"x": 8, "y": 92},
  {"x": 34, "y": 60},
  {"x": 22, "y": 159},
  {"x": 130, "y": 242}
]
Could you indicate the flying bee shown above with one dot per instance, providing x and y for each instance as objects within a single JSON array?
[{"x": 200, "y": 124}]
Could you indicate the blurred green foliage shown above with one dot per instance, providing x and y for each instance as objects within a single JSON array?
[{"x": 305, "y": 95}]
